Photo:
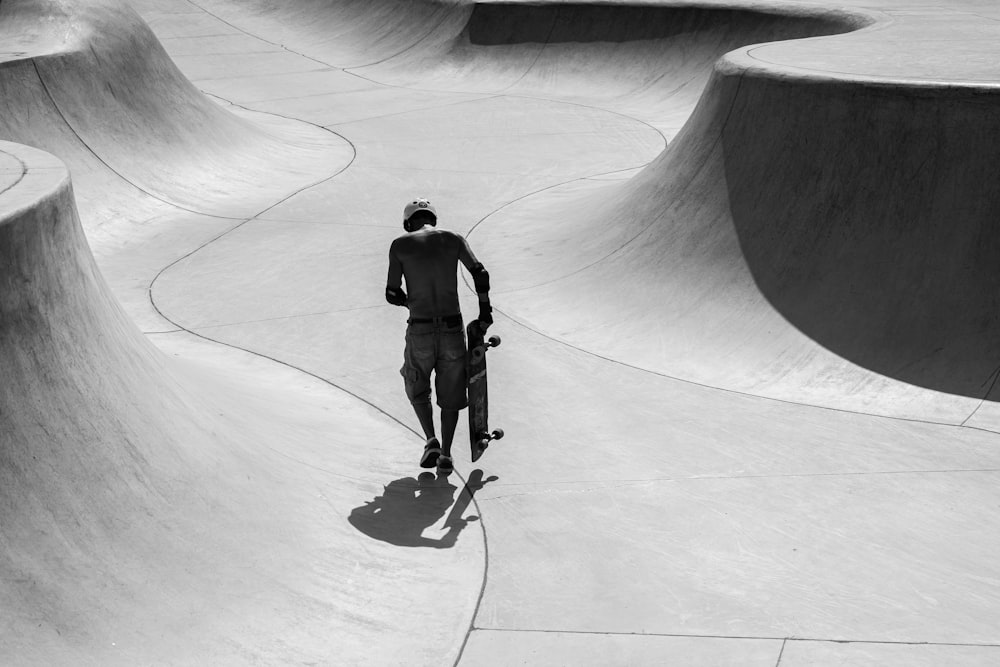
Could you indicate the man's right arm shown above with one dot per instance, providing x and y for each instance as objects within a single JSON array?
[{"x": 394, "y": 293}]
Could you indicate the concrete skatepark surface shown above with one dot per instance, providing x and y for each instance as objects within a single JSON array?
[{"x": 743, "y": 258}]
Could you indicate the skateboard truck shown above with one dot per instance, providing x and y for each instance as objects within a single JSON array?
[
  {"x": 484, "y": 441},
  {"x": 479, "y": 351}
]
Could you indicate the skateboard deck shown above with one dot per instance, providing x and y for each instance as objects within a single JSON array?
[{"x": 480, "y": 435}]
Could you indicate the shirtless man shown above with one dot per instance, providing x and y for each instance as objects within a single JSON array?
[{"x": 427, "y": 257}]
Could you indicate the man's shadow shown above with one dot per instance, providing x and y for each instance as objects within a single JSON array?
[{"x": 408, "y": 506}]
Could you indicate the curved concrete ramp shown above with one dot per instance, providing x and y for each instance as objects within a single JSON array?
[
  {"x": 238, "y": 483},
  {"x": 822, "y": 242}
]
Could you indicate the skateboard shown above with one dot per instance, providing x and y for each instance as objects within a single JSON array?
[{"x": 480, "y": 435}]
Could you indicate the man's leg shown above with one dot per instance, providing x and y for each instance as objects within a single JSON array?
[
  {"x": 450, "y": 381},
  {"x": 449, "y": 421},
  {"x": 418, "y": 363},
  {"x": 425, "y": 413}
]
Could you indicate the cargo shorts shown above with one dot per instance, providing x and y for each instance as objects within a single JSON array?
[{"x": 438, "y": 348}]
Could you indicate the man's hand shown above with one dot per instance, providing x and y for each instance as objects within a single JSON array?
[
  {"x": 395, "y": 295},
  {"x": 485, "y": 315}
]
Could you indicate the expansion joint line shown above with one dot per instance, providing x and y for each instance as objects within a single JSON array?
[
  {"x": 781, "y": 653},
  {"x": 772, "y": 638},
  {"x": 277, "y": 203},
  {"x": 992, "y": 381},
  {"x": 20, "y": 177}
]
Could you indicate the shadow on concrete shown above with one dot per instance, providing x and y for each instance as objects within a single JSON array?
[
  {"x": 493, "y": 24},
  {"x": 408, "y": 507}
]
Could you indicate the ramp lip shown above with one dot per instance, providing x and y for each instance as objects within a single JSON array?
[
  {"x": 35, "y": 31},
  {"x": 776, "y": 59},
  {"x": 27, "y": 176},
  {"x": 748, "y": 61}
]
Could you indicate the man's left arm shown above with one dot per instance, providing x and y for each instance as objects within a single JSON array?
[
  {"x": 481, "y": 281},
  {"x": 394, "y": 293}
]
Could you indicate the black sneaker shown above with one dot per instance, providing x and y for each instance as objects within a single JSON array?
[
  {"x": 431, "y": 453},
  {"x": 445, "y": 465}
]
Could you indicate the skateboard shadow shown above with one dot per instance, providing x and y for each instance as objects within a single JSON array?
[{"x": 408, "y": 506}]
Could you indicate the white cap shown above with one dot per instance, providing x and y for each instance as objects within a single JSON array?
[{"x": 418, "y": 205}]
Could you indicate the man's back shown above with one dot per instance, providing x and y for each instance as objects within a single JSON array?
[{"x": 428, "y": 259}]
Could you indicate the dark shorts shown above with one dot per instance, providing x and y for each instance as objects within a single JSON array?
[{"x": 439, "y": 349}]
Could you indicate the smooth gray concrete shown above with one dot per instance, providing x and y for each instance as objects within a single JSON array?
[{"x": 743, "y": 263}]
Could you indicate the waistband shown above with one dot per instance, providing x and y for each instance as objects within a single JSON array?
[{"x": 447, "y": 320}]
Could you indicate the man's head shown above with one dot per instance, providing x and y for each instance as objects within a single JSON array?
[{"x": 418, "y": 213}]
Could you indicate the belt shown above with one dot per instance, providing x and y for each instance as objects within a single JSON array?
[{"x": 447, "y": 320}]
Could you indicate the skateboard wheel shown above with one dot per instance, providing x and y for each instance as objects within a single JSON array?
[
  {"x": 494, "y": 341},
  {"x": 497, "y": 434},
  {"x": 483, "y": 444}
]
